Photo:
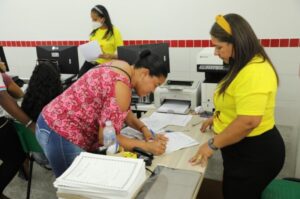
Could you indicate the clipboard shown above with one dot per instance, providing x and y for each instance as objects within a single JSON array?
[{"x": 170, "y": 183}]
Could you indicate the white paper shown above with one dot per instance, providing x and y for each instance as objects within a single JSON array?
[
  {"x": 90, "y": 50},
  {"x": 132, "y": 133},
  {"x": 171, "y": 119},
  {"x": 155, "y": 124},
  {"x": 175, "y": 106},
  {"x": 178, "y": 140}
]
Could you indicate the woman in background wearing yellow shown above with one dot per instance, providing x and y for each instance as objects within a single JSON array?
[{"x": 107, "y": 35}]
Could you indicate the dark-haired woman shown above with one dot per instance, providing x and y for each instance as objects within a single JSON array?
[
  {"x": 252, "y": 148},
  {"x": 44, "y": 85},
  {"x": 107, "y": 35},
  {"x": 74, "y": 121}
]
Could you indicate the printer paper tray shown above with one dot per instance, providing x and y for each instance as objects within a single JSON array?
[{"x": 175, "y": 106}]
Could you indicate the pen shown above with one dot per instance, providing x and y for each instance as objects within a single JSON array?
[
  {"x": 152, "y": 132},
  {"x": 117, "y": 147}
]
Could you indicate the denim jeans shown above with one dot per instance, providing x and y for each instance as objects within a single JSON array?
[{"x": 59, "y": 151}]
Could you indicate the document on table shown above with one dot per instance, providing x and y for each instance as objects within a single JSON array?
[
  {"x": 90, "y": 50},
  {"x": 179, "y": 140},
  {"x": 176, "y": 140},
  {"x": 155, "y": 124}
]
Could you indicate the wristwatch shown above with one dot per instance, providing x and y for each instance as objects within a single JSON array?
[{"x": 211, "y": 144}]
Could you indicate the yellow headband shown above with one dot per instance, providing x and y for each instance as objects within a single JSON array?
[{"x": 221, "y": 21}]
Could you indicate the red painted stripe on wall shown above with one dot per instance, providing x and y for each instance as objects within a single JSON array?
[{"x": 277, "y": 43}]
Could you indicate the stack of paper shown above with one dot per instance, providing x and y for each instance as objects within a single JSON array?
[{"x": 97, "y": 176}]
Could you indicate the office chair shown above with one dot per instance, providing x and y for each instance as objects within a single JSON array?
[
  {"x": 29, "y": 144},
  {"x": 287, "y": 188}
]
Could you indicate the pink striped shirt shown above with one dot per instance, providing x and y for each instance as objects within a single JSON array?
[{"x": 78, "y": 112}]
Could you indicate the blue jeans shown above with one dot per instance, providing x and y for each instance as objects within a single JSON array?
[{"x": 59, "y": 151}]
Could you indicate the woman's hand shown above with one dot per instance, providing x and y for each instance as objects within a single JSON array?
[
  {"x": 202, "y": 155},
  {"x": 161, "y": 137},
  {"x": 147, "y": 135},
  {"x": 106, "y": 56},
  {"x": 206, "y": 123},
  {"x": 157, "y": 147}
]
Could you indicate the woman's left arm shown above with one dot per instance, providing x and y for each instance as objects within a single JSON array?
[
  {"x": 12, "y": 88},
  {"x": 233, "y": 133},
  {"x": 132, "y": 121},
  {"x": 237, "y": 130}
]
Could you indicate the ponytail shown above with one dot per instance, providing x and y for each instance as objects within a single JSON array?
[{"x": 151, "y": 61}]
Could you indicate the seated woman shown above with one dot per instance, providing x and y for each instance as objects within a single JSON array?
[
  {"x": 44, "y": 85},
  {"x": 11, "y": 152}
]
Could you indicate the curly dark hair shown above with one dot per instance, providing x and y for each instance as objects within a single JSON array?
[{"x": 44, "y": 85}]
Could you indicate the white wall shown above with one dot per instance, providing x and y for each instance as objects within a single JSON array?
[
  {"x": 138, "y": 19},
  {"x": 164, "y": 20}
]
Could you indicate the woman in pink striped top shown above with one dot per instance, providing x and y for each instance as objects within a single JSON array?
[{"x": 74, "y": 121}]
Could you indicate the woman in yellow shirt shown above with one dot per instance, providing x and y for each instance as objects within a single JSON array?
[
  {"x": 252, "y": 149},
  {"x": 107, "y": 35}
]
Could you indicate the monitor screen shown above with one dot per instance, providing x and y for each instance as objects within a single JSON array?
[
  {"x": 131, "y": 53},
  {"x": 3, "y": 58},
  {"x": 65, "y": 56}
]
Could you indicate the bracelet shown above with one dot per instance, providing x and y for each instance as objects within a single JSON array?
[
  {"x": 211, "y": 144},
  {"x": 142, "y": 127},
  {"x": 28, "y": 123}
]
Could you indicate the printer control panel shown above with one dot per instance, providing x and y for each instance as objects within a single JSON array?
[
  {"x": 178, "y": 85},
  {"x": 211, "y": 68}
]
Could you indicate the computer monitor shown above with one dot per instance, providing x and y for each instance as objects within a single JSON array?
[
  {"x": 3, "y": 58},
  {"x": 65, "y": 56},
  {"x": 131, "y": 53}
]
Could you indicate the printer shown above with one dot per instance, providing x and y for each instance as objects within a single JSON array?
[
  {"x": 214, "y": 70},
  {"x": 179, "y": 92}
]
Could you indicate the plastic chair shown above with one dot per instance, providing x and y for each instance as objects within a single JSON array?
[
  {"x": 282, "y": 189},
  {"x": 29, "y": 144}
]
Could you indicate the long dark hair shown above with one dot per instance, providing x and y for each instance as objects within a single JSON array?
[
  {"x": 152, "y": 62},
  {"x": 44, "y": 85},
  {"x": 103, "y": 13},
  {"x": 245, "y": 46}
]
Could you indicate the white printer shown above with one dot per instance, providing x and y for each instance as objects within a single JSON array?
[
  {"x": 214, "y": 71},
  {"x": 187, "y": 92}
]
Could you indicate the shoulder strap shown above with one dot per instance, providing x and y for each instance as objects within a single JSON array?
[{"x": 121, "y": 69}]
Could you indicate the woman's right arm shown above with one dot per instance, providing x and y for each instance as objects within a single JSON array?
[
  {"x": 157, "y": 147},
  {"x": 123, "y": 98},
  {"x": 207, "y": 123}
]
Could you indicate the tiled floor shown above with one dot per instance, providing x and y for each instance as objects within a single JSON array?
[{"x": 41, "y": 187}]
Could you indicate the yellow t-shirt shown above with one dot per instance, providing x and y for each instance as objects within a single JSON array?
[
  {"x": 108, "y": 46},
  {"x": 252, "y": 92}
]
